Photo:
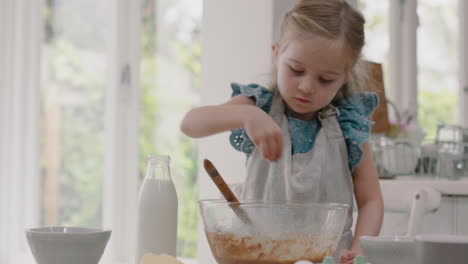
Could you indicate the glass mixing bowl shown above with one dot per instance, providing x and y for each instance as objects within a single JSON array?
[{"x": 276, "y": 233}]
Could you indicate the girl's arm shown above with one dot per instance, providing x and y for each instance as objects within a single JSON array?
[
  {"x": 368, "y": 198},
  {"x": 208, "y": 120},
  {"x": 239, "y": 112}
]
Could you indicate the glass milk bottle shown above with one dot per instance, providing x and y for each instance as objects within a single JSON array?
[{"x": 157, "y": 210}]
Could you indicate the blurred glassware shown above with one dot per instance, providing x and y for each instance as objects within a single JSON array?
[
  {"x": 394, "y": 157},
  {"x": 465, "y": 135},
  {"x": 452, "y": 159},
  {"x": 427, "y": 162},
  {"x": 452, "y": 151},
  {"x": 377, "y": 144},
  {"x": 450, "y": 133},
  {"x": 401, "y": 157}
]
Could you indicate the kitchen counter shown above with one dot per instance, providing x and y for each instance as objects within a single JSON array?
[
  {"x": 428, "y": 205},
  {"x": 414, "y": 183}
]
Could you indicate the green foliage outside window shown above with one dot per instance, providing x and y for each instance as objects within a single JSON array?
[
  {"x": 80, "y": 132},
  {"x": 436, "y": 108},
  {"x": 154, "y": 109}
]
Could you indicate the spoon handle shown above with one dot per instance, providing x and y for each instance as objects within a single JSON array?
[
  {"x": 226, "y": 191},
  {"x": 219, "y": 181}
]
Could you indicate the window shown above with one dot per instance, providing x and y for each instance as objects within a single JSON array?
[
  {"x": 377, "y": 33},
  {"x": 170, "y": 78},
  {"x": 74, "y": 70},
  {"x": 75, "y": 98},
  {"x": 437, "y": 54}
]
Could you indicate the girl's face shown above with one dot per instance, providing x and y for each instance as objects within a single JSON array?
[{"x": 310, "y": 72}]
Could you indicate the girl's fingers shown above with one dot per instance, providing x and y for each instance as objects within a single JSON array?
[
  {"x": 279, "y": 149},
  {"x": 267, "y": 152},
  {"x": 345, "y": 256},
  {"x": 274, "y": 150},
  {"x": 261, "y": 147},
  {"x": 271, "y": 148},
  {"x": 278, "y": 143},
  {"x": 263, "y": 150},
  {"x": 275, "y": 143}
]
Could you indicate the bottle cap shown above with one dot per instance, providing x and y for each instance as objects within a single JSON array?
[{"x": 159, "y": 158}]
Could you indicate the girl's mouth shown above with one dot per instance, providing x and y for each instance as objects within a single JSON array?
[{"x": 302, "y": 100}]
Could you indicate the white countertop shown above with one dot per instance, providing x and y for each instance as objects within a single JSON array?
[
  {"x": 414, "y": 183},
  {"x": 399, "y": 194}
]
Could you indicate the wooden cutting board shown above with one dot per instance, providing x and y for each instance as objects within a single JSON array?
[{"x": 376, "y": 84}]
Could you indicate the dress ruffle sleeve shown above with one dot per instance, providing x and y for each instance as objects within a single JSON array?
[
  {"x": 355, "y": 122},
  {"x": 263, "y": 100}
]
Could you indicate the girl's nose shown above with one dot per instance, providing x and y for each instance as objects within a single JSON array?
[{"x": 307, "y": 85}]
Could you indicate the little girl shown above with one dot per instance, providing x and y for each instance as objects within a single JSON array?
[{"x": 305, "y": 136}]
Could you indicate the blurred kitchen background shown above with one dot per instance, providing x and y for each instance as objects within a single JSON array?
[{"x": 89, "y": 88}]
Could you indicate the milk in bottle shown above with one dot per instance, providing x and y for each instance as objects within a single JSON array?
[{"x": 157, "y": 210}]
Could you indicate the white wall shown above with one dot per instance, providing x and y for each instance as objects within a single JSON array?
[
  {"x": 237, "y": 38},
  {"x": 280, "y": 7},
  {"x": 235, "y": 49}
]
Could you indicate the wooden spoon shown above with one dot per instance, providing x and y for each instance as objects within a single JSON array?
[{"x": 226, "y": 191}]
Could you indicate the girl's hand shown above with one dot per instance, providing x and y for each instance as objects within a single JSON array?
[
  {"x": 347, "y": 257},
  {"x": 265, "y": 134}
]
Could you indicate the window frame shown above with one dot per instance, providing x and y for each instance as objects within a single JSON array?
[
  {"x": 21, "y": 40},
  {"x": 403, "y": 84},
  {"x": 403, "y": 67},
  {"x": 20, "y": 137},
  {"x": 463, "y": 63},
  {"x": 122, "y": 99}
]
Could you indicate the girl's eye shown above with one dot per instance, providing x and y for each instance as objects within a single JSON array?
[
  {"x": 296, "y": 71},
  {"x": 326, "y": 81}
]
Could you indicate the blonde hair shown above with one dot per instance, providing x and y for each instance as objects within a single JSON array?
[{"x": 334, "y": 20}]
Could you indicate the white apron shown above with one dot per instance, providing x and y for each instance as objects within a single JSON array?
[{"x": 321, "y": 175}]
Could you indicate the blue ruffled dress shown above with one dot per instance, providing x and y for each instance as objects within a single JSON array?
[{"x": 354, "y": 120}]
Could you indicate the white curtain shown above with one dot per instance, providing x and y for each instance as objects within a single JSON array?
[{"x": 20, "y": 39}]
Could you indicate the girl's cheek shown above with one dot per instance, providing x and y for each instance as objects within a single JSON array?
[{"x": 291, "y": 84}]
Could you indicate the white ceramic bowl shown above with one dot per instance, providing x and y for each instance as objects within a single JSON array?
[
  {"x": 388, "y": 249},
  {"x": 436, "y": 249},
  {"x": 70, "y": 245}
]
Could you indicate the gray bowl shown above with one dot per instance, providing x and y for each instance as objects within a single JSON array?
[
  {"x": 389, "y": 249},
  {"x": 70, "y": 245},
  {"x": 438, "y": 248}
]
